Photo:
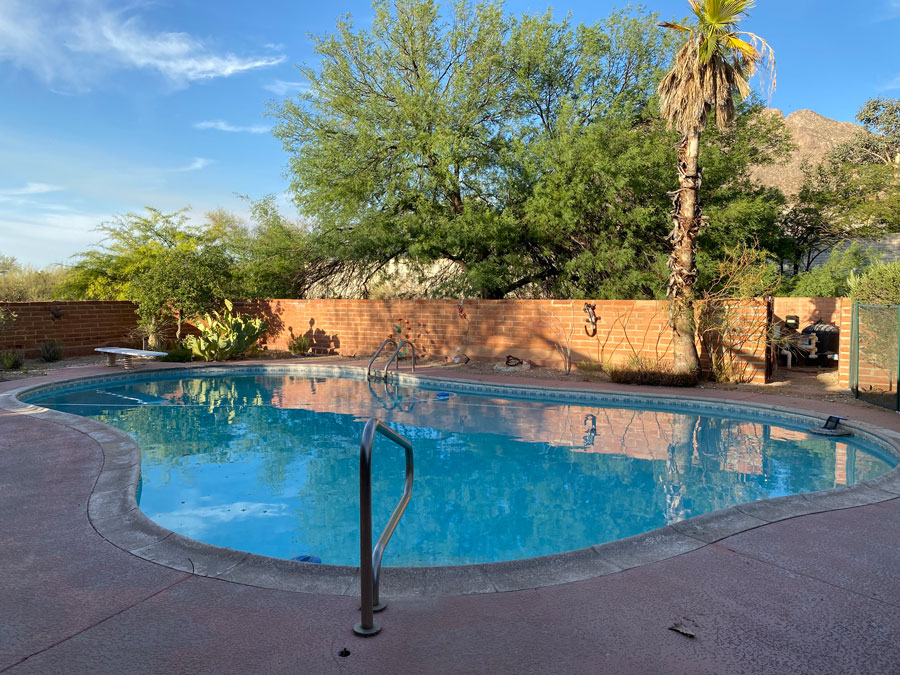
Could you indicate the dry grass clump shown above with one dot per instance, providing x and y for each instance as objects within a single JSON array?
[{"x": 649, "y": 372}]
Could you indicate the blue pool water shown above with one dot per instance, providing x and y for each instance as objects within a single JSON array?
[{"x": 269, "y": 464}]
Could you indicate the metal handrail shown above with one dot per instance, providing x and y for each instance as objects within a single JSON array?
[
  {"x": 369, "y": 561},
  {"x": 394, "y": 356},
  {"x": 375, "y": 356}
]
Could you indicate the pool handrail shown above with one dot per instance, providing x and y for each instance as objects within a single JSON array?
[
  {"x": 396, "y": 353},
  {"x": 369, "y": 560},
  {"x": 375, "y": 356}
]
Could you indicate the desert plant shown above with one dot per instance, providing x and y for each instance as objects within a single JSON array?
[
  {"x": 225, "y": 335},
  {"x": 177, "y": 352},
  {"x": 589, "y": 367},
  {"x": 7, "y": 316},
  {"x": 299, "y": 345},
  {"x": 880, "y": 285},
  {"x": 728, "y": 321},
  {"x": 650, "y": 372},
  {"x": 51, "y": 350},
  {"x": 11, "y": 359},
  {"x": 562, "y": 334}
]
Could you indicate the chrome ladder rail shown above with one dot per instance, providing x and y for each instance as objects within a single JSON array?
[
  {"x": 396, "y": 353},
  {"x": 369, "y": 561},
  {"x": 375, "y": 356}
]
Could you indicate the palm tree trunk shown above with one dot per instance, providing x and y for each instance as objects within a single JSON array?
[{"x": 682, "y": 267}]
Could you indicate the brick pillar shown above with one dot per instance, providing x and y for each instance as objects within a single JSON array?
[{"x": 844, "y": 312}]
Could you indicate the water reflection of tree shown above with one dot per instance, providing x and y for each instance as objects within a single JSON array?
[{"x": 480, "y": 495}]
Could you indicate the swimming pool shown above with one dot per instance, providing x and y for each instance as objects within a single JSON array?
[{"x": 268, "y": 462}]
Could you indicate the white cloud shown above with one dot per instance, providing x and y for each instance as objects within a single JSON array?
[
  {"x": 284, "y": 87},
  {"x": 194, "y": 522},
  {"x": 196, "y": 165},
  {"x": 72, "y": 44},
  {"x": 31, "y": 189},
  {"x": 48, "y": 234},
  {"x": 222, "y": 125}
]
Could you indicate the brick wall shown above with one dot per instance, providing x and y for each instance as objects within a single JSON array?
[
  {"x": 79, "y": 326},
  {"x": 845, "y": 323},
  {"x": 809, "y": 310},
  {"x": 535, "y": 330}
]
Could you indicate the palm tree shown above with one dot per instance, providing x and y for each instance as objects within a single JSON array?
[{"x": 714, "y": 64}]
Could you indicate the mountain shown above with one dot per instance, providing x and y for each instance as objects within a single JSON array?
[{"x": 815, "y": 136}]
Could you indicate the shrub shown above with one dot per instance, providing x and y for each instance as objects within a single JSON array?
[
  {"x": 880, "y": 285},
  {"x": 51, "y": 350},
  {"x": 225, "y": 335},
  {"x": 177, "y": 353},
  {"x": 651, "y": 372},
  {"x": 11, "y": 360},
  {"x": 299, "y": 345},
  {"x": 832, "y": 278},
  {"x": 7, "y": 316},
  {"x": 589, "y": 367}
]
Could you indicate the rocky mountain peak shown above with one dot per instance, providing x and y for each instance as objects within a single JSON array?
[{"x": 815, "y": 136}]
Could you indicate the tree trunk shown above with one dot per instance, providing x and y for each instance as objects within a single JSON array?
[{"x": 682, "y": 266}]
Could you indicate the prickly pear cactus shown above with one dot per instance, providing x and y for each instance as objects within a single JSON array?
[{"x": 225, "y": 335}]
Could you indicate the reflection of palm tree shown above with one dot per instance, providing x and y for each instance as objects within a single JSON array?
[
  {"x": 486, "y": 491},
  {"x": 678, "y": 462},
  {"x": 591, "y": 431}
]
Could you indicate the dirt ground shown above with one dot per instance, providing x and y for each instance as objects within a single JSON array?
[
  {"x": 797, "y": 382},
  {"x": 38, "y": 367}
]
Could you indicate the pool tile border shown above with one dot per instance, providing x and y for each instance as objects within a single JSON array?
[{"x": 114, "y": 514}]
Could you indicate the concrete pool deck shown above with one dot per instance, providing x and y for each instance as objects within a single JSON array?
[{"x": 814, "y": 593}]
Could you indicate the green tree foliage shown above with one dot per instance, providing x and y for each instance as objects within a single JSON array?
[
  {"x": 880, "y": 285},
  {"x": 832, "y": 278},
  {"x": 525, "y": 151},
  {"x": 274, "y": 257},
  {"x": 855, "y": 192},
  {"x": 881, "y": 145},
  {"x": 172, "y": 270}
]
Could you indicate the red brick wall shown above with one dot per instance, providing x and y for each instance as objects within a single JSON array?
[
  {"x": 809, "y": 310},
  {"x": 845, "y": 323},
  {"x": 528, "y": 329},
  {"x": 79, "y": 326}
]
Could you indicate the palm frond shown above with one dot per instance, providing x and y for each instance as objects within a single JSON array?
[
  {"x": 675, "y": 26},
  {"x": 715, "y": 63},
  {"x": 764, "y": 62}
]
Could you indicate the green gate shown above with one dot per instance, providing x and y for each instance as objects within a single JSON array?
[{"x": 875, "y": 354}]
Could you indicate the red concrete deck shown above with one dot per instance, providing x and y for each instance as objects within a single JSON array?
[{"x": 813, "y": 594}]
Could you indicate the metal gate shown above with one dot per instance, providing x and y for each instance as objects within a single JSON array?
[{"x": 875, "y": 354}]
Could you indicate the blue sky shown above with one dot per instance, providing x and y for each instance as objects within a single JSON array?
[{"x": 112, "y": 105}]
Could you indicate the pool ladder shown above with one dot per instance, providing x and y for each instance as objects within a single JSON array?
[
  {"x": 392, "y": 358},
  {"x": 369, "y": 560}
]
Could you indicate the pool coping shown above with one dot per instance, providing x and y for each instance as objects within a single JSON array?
[{"x": 115, "y": 515}]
